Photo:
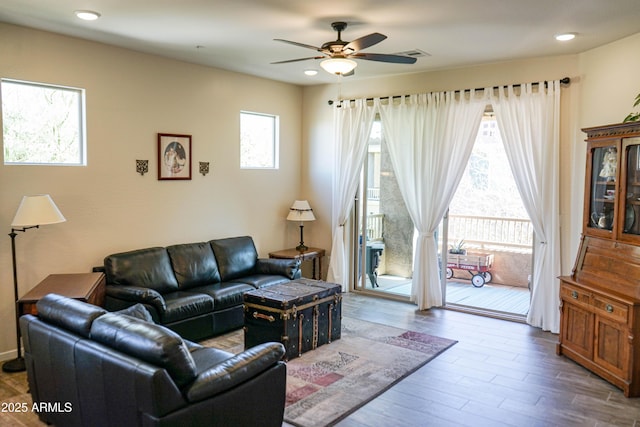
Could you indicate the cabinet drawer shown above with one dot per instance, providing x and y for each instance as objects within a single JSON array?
[
  {"x": 611, "y": 309},
  {"x": 575, "y": 294}
]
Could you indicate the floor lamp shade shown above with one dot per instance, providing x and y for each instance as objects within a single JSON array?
[
  {"x": 32, "y": 212},
  {"x": 37, "y": 210},
  {"x": 301, "y": 211}
]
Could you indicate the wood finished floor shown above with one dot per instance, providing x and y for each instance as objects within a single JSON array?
[{"x": 500, "y": 373}]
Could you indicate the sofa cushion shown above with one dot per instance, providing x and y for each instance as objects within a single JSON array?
[
  {"x": 148, "y": 268},
  {"x": 236, "y": 256},
  {"x": 152, "y": 343},
  {"x": 206, "y": 357},
  {"x": 258, "y": 281},
  {"x": 138, "y": 311},
  {"x": 225, "y": 294},
  {"x": 184, "y": 305},
  {"x": 72, "y": 315},
  {"x": 284, "y": 267},
  {"x": 235, "y": 370},
  {"x": 193, "y": 264}
]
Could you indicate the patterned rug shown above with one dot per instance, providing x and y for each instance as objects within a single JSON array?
[{"x": 329, "y": 383}]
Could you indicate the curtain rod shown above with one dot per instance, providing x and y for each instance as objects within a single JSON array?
[{"x": 564, "y": 81}]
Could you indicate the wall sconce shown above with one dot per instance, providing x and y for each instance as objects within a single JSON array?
[
  {"x": 142, "y": 166},
  {"x": 204, "y": 168}
]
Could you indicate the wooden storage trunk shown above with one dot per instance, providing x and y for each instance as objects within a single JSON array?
[{"x": 302, "y": 315}]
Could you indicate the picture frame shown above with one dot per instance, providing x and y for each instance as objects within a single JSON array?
[{"x": 174, "y": 156}]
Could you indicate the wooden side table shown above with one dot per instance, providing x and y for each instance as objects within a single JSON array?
[
  {"x": 87, "y": 287},
  {"x": 315, "y": 255}
]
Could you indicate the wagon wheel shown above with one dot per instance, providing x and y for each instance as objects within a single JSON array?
[
  {"x": 487, "y": 277},
  {"x": 477, "y": 280},
  {"x": 449, "y": 273}
]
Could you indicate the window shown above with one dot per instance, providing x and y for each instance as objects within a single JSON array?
[
  {"x": 42, "y": 124},
  {"x": 487, "y": 187},
  {"x": 258, "y": 141}
]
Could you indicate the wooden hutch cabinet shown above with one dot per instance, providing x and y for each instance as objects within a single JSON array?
[{"x": 600, "y": 301}]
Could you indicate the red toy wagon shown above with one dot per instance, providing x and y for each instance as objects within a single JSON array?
[{"x": 477, "y": 264}]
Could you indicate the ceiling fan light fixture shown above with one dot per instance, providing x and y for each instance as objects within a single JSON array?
[
  {"x": 310, "y": 72},
  {"x": 338, "y": 65}
]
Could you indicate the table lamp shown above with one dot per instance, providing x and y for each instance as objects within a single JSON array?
[
  {"x": 33, "y": 212},
  {"x": 301, "y": 211}
]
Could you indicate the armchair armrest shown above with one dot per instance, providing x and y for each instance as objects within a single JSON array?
[
  {"x": 285, "y": 267},
  {"x": 138, "y": 294},
  {"x": 235, "y": 370}
]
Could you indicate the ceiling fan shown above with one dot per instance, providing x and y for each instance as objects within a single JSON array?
[{"x": 338, "y": 55}]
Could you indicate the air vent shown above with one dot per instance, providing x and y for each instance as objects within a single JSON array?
[{"x": 414, "y": 53}]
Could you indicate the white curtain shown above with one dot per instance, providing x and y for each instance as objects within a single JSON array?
[
  {"x": 529, "y": 125},
  {"x": 352, "y": 124},
  {"x": 430, "y": 138}
]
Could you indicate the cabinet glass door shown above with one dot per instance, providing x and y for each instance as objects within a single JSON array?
[
  {"x": 631, "y": 189},
  {"x": 603, "y": 187}
]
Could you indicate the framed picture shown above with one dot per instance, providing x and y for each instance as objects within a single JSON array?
[{"x": 174, "y": 156}]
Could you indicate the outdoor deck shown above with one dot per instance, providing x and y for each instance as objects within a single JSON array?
[{"x": 501, "y": 298}]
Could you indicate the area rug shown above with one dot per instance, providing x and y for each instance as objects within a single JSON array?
[{"x": 329, "y": 383}]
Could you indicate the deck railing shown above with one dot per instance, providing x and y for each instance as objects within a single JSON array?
[
  {"x": 373, "y": 193},
  {"x": 375, "y": 226},
  {"x": 482, "y": 231},
  {"x": 476, "y": 231}
]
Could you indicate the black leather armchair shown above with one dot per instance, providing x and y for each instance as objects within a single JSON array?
[{"x": 112, "y": 369}]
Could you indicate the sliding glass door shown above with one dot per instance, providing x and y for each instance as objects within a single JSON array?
[
  {"x": 384, "y": 231},
  {"x": 486, "y": 218}
]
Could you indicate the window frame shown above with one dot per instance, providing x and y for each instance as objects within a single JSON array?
[
  {"x": 80, "y": 94},
  {"x": 275, "y": 144}
]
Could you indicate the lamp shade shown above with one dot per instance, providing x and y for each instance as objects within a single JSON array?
[
  {"x": 300, "y": 211},
  {"x": 37, "y": 210},
  {"x": 338, "y": 65}
]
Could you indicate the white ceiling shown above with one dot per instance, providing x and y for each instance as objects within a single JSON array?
[{"x": 238, "y": 34}]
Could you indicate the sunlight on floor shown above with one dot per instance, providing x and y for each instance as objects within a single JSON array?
[{"x": 508, "y": 299}]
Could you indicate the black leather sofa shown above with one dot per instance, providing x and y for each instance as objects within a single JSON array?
[
  {"x": 89, "y": 367},
  {"x": 195, "y": 289}
]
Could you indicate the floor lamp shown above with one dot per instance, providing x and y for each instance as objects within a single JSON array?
[
  {"x": 33, "y": 212},
  {"x": 301, "y": 211}
]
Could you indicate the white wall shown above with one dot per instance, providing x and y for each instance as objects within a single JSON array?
[
  {"x": 611, "y": 81},
  {"x": 109, "y": 207}
]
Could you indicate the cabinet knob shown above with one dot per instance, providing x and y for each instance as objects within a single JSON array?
[
  {"x": 609, "y": 308},
  {"x": 574, "y": 294}
]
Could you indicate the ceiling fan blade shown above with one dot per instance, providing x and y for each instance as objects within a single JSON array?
[
  {"x": 381, "y": 57},
  {"x": 299, "y": 59},
  {"x": 364, "y": 42},
  {"x": 308, "y": 46}
]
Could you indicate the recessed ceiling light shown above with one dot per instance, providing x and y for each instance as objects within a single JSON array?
[
  {"x": 311, "y": 72},
  {"x": 565, "y": 37},
  {"x": 87, "y": 15}
]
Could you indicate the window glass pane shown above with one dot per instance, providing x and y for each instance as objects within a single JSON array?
[
  {"x": 258, "y": 141},
  {"x": 42, "y": 124},
  {"x": 632, "y": 197}
]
